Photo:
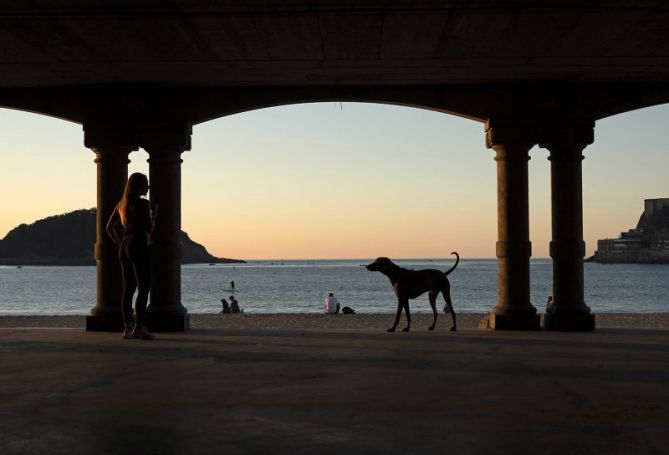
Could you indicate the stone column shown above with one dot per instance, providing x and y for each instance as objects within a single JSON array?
[
  {"x": 568, "y": 310},
  {"x": 513, "y": 310},
  {"x": 111, "y": 145},
  {"x": 165, "y": 145}
]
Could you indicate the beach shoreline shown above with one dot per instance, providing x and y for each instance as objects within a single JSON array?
[{"x": 311, "y": 321}]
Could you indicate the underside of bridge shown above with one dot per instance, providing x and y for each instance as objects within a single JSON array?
[{"x": 140, "y": 74}]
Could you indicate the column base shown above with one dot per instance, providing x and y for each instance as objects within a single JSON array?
[
  {"x": 573, "y": 322},
  {"x": 167, "y": 322},
  {"x": 510, "y": 322},
  {"x": 107, "y": 323}
]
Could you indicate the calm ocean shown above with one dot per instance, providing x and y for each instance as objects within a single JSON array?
[{"x": 301, "y": 286}]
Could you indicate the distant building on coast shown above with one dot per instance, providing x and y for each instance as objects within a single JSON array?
[{"x": 647, "y": 243}]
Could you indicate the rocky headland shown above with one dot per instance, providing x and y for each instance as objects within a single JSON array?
[{"x": 69, "y": 239}]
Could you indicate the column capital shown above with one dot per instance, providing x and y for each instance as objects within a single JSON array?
[
  {"x": 572, "y": 137},
  {"x": 110, "y": 135},
  {"x": 164, "y": 137},
  {"x": 505, "y": 135}
]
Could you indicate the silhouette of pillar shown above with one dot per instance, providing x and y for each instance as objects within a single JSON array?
[
  {"x": 568, "y": 310},
  {"x": 165, "y": 146},
  {"x": 513, "y": 310},
  {"x": 111, "y": 145}
]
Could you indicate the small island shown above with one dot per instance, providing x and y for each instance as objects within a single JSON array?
[
  {"x": 69, "y": 239},
  {"x": 648, "y": 243}
]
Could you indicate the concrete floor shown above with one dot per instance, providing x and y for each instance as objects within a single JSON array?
[{"x": 353, "y": 392}]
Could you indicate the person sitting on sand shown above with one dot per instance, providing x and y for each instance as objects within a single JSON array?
[
  {"x": 331, "y": 304},
  {"x": 234, "y": 305},
  {"x": 226, "y": 307}
]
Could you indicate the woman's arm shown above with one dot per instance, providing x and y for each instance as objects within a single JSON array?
[{"x": 113, "y": 227}]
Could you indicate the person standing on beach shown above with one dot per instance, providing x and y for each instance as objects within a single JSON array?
[
  {"x": 331, "y": 304},
  {"x": 136, "y": 217},
  {"x": 232, "y": 286}
]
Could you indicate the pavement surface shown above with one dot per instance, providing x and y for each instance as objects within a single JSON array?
[{"x": 336, "y": 391}]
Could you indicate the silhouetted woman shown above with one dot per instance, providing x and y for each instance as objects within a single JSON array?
[{"x": 134, "y": 214}]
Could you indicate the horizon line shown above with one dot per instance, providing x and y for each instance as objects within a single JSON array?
[{"x": 368, "y": 258}]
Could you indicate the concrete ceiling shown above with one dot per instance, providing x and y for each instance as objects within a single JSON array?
[{"x": 51, "y": 43}]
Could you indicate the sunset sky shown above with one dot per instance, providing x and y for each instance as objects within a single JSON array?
[{"x": 349, "y": 180}]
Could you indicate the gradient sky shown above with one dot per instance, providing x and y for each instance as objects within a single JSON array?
[{"x": 351, "y": 180}]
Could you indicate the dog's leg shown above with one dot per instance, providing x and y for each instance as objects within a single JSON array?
[
  {"x": 432, "y": 296},
  {"x": 397, "y": 316},
  {"x": 406, "y": 310},
  {"x": 446, "y": 292}
]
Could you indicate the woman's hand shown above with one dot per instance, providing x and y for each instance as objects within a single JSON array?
[{"x": 153, "y": 214}]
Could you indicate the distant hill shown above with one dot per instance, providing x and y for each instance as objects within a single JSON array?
[{"x": 69, "y": 239}]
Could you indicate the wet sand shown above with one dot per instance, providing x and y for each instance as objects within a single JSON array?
[{"x": 420, "y": 322}]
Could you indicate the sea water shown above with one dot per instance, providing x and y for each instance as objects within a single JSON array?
[{"x": 301, "y": 286}]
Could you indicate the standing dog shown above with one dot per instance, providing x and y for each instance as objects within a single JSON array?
[{"x": 409, "y": 284}]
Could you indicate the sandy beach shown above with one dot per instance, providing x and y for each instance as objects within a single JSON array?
[{"x": 420, "y": 322}]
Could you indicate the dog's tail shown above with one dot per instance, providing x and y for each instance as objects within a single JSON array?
[{"x": 457, "y": 260}]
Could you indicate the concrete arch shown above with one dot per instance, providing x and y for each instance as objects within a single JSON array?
[
  {"x": 145, "y": 106},
  {"x": 39, "y": 113},
  {"x": 60, "y": 104},
  {"x": 607, "y": 103},
  {"x": 245, "y": 100},
  {"x": 634, "y": 109},
  {"x": 298, "y": 102}
]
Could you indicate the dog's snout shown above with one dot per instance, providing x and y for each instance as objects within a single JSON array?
[{"x": 377, "y": 265}]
